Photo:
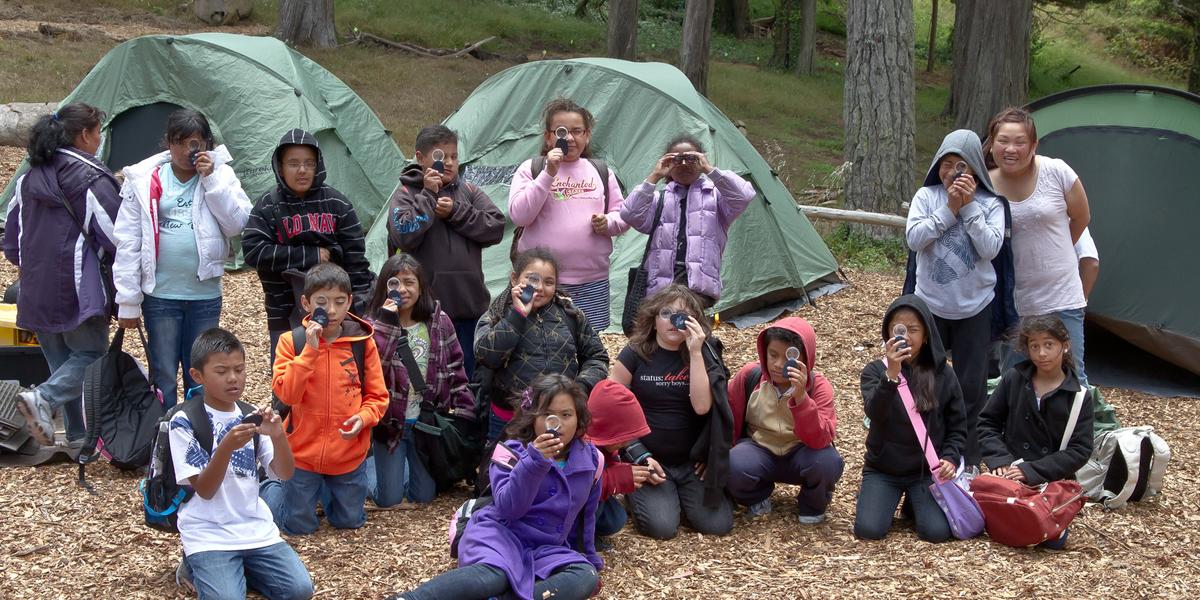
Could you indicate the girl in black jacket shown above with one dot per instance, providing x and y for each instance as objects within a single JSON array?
[
  {"x": 1022, "y": 426},
  {"x": 895, "y": 464}
]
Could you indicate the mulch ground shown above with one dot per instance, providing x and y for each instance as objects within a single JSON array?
[{"x": 58, "y": 541}]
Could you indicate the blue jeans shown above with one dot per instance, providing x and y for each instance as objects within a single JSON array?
[
  {"x": 172, "y": 326},
  {"x": 754, "y": 471},
  {"x": 610, "y": 517},
  {"x": 877, "y": 501},
  {"x": 1073, "y": 321},
  {"x": 575, "y": 581},
  {"x": 496, "y": 426},
  {"x": 295, "y": 506},
  {"x": 68, "y": 354},
  {"x": 464, "y": 330},
  {"x": 275, "y": 571},
  {"x": 399, "y": 475}
]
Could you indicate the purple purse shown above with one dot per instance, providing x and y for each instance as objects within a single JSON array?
[{"x": 962, "y": 512}]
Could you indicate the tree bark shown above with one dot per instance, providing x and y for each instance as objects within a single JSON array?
[
  {"x": 622, "y": 29},
  {"x": 17, "y": 120},
  {"x": 697, "y": 34},
  {"x": 1193, "y": 19},
  {"x": 808, "y": 37},
  {"x": 306, "y": 23},
  {"x": 879, "y": 112},
  {"x": 991, "y": 60},
  {"x": 581, "y": 8},
  {"x": 781, "y": 56},
  {"x": 932, "y": 38},
  {"x": 732, "y": 17}
]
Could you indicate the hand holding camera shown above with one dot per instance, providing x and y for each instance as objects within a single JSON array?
[
  {"x": 432, "y": 181},
  {"x": 199, "y": 158}
]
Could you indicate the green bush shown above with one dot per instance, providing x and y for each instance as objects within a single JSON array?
[{"x": 856, "y": 250}]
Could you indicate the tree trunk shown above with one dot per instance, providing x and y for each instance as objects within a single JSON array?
[
  {"x": 932, "y": 38},
  {"x": 781, "y": 57},
  {"x": 808, "y": 37},
  {"x": 879, "y": 111},
  {"x": 991, "y": 60},
  {"x": 732, "y": 17},
  {"x": 306, "y": 23},
  {"x": 1194, "y": 72},
  {"x": 697, "y": 33},
  {"x": 581, "y": 9},
  {"x": 622, "y": 29},
  {"x": 17, "y": 120}
]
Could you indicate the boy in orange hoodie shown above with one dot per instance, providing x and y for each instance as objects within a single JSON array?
[
  {"x": 783, "y": 428},
  {"x": 617, "y": 423},
  {"x": 332, "y": 410}
]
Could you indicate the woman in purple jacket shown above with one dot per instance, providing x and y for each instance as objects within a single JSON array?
[
  {"x": 545, "y": 490},
  {"x": 699, "y": 204},
  {"x": 60, "y": 234},
  {"x": 415, "y": 321}
]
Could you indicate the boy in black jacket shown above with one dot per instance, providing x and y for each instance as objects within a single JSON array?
[
  {"x": 445, "y": 224},
  {"x": 300, "y": 223}
]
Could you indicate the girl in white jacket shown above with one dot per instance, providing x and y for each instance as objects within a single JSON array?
[{"x": 178, "y": 210}]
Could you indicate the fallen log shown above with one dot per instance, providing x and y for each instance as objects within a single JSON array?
[
  {"x": 853, "y": 216},
  {"x": 17, "y": 119},
  {"x": 361, "y": 36}
]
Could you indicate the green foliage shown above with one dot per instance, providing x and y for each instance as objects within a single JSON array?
[
  {"x": 853, "y": 249},
  {"x": 1148, "y": 34}
]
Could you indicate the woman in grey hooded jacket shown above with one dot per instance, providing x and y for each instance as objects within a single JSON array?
[{"x": 956, "y": 228}]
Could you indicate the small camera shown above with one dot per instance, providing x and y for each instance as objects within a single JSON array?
[
  {"x": 635, "y": 453},
  {"x": 439, "y": 160},
  {"x": 254, "y": 419},
  {"x": 686, "y": 158},
  {"x": 320, "y": 316}
]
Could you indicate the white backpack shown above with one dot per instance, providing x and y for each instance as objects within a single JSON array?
[{"x": 1127, "y": 464}]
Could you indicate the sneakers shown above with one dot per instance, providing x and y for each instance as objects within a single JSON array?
[
  {"x": 812, "y": 519},
  {"x": 760, "y": 509},
  {"x": 183, "y": 576},
  {"x": 39, "y": 417}
]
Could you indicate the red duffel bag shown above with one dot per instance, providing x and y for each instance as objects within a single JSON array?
[{"x": 1019, "y": 515}]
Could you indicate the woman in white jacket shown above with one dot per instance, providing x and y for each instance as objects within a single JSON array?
[{"x": 178, "y": 210}]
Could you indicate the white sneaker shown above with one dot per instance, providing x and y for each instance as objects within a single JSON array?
[
  {"x": 812, "y": 519},
  {"x": 38, "y": 416},
  {"x": 760, "y": 509}
]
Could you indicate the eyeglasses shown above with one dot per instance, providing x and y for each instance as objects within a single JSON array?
[
  {"x": 665, "y": 313},
  {"x": 294, "y": 165},
  {"x": 578, "y": 131}
]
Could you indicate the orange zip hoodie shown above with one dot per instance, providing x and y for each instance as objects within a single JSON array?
[{"x": 321, "y": 385}]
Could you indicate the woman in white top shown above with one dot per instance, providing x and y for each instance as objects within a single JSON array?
[{"x": 1049, "y": 213}]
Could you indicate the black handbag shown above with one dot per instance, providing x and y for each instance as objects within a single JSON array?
[{"x": 639, "y": 277}]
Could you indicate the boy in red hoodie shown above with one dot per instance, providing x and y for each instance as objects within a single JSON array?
[
  {"x": 332, "y": 410},
  {"x": 783, "y": 429},
  {"x": 618, "y": 422}
]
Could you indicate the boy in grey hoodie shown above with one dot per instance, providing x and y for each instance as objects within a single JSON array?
[{"x": 955, "y": 228}]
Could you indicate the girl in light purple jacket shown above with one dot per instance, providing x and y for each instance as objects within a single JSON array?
[{"x": 699, "y": 204}]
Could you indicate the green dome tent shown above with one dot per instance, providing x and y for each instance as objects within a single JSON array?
[
  {"x": 1136, "y": 149},
  {"x": 773, "y": 256},
  {"x": 253, "y": 90}
]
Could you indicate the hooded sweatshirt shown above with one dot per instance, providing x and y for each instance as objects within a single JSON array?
[
  {"x": 322, "y": 387},
  {"x": 954, "y": 253},
  {"x": 892, "y": 445},
  {"x": 617, "y": 419},
  {"x": 286, "y": 231},
  {"x": 450, "y": 248},
  {"x": 808, "y": 417}
]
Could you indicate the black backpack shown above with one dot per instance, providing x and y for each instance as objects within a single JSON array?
[
  {"x": 161, "y": 495},
  {"x": 121, "y": 408},
  {"x": 299, "y": 341}
]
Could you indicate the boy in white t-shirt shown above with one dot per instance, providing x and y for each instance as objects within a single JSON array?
[{"x": 230, "y": 541}]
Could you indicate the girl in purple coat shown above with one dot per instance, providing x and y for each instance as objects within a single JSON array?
[
  {"x": 698, "y": 206},
  {"x": 544, "y": 497},
  {"x": 403, "y": 312}
]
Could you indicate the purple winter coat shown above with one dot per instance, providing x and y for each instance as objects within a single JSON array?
[
  {"x": 62, "y": 286},
  {"x": 445, "y": 379},
  {"x": 531, "y": 526},
  {"x": 714, "y": 201}
]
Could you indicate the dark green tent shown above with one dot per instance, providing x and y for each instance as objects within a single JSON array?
[{"x": 1137, "y": 150}]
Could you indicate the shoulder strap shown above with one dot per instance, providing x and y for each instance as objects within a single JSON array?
[
  {"x": 299, "y": 340},
  {"x": 918, "y": 425},
  {"x": 404, "y": 350},
  {"x": 246, "y": 409},
  {"x": 602, "y": 169},
  {"x": 658, "y": 206},
  {"x": 201, "y": 424},
  {"x": 359, "y": 349},
  {"x": 1076, "y": 406},
  {"x": 753, "y": 377},
  {"x": 599, "y": 464},
  {"x": 537, "y": 166}
]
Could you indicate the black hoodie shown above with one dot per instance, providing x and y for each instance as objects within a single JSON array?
[
  {"x": 892, "y": 445},
  {"x": 450, "y": 249},
  {"x": 286, "y": 231}
]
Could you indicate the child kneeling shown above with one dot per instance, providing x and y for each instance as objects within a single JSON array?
[
  {"x": 229, "y": 539},
  {"x": 333, "y": 405},
  {"x": 535, "y": 539}
]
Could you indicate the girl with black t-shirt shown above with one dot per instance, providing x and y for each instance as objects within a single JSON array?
[{"x": 680, "y": 381}]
